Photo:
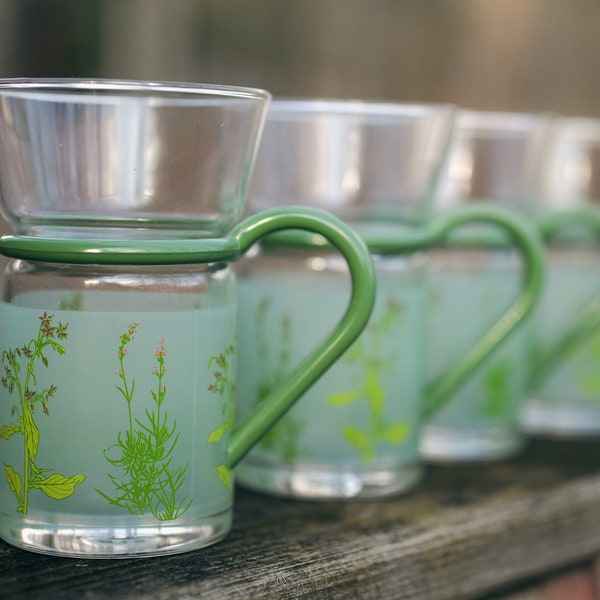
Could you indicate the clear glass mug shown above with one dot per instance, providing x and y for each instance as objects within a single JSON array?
[
  {"x": 564, "y": 388},
  {"x": 356, "y": 432},
  {"x": 119, "y": 314},
  {"x": 119, "y": 385},
  {"x": 495, "y": 159}
]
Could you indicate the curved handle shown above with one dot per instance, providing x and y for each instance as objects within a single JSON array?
[
  {"x": 357, "y": 314},
  {"x": 588, "y": 319},
  {"x": 584, "y": 217},
  {"x": 528, "y": 241}
]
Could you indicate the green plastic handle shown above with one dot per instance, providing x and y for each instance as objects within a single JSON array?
[
  {"x": 516, "y": 231},
  {"x": 529, "y": 243},
  {"x": 357, "y": 314},
  {"x": 551, "y": 226}
]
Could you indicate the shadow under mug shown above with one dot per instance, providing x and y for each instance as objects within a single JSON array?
[
  {"x": 356, "y": 432},
  {"x": 118, "y": 389},
  {"x": 564, "y": 385}
]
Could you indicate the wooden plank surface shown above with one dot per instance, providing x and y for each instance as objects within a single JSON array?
[{"x": 463, "y": 533}]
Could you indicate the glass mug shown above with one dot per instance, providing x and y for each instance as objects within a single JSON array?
[
  {"x": 564, "y": 332},
  {"x": 356, "y": 432},
  {"x": 564, "y": 386},
  {"x": 119, "y": 386},
  {"x": 493, "y": 158}
]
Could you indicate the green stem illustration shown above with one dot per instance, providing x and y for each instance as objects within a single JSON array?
[
  {"x": 143, "y": 455},
  {"x": 285, "y": 435},
  {"x": 222, "y": 371},
  {"x": 497, "y": 391},
  {"x": 367, "y": 354},
  {"x": 19, "y": 376}
]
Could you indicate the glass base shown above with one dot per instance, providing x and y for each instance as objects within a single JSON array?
[
  {"x": 441, "y": 444},
  {"x": 331, "y": 482},
  {"x": 560, "y": 419},
  {"x": 81, "y": 541}
]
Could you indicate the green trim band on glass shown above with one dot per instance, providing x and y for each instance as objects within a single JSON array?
[{"x": 120, "y": 252}]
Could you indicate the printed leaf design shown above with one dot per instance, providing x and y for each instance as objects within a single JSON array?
[
  {"x": 225, "y": 478},
  {"x": 20, "y": 379},
  {"x": 7, "y": 430},
  {"x": 14, "y": 481},
  {"x": 396, "y": 433},
  {"x": 371, "y": 362},
  {"x": 355, "y": 436},
  {"x": 344, "y": 398},
  {"x": 218, "y": 433},
  {"x": 32, "y": 434},
  {"x": 497, "y": 392},
  {"x": 374, "y": 391},
  {"x": 58, "y": 486},
  {"x": 359, "y": 440}
]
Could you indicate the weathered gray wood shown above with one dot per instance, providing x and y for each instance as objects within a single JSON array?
[{"x": 463, "y": 533}]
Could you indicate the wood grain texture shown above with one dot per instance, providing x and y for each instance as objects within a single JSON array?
[{"x": 463, "y": 533}]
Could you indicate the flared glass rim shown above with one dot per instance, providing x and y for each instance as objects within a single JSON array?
[
  {"x": 502, "y": 121},
  {"x": 299, "y": 108},
  {"x": 575, "y": 129},
  {"x": 70, "y": 86}
]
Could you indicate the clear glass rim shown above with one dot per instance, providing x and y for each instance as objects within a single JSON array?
[
  {"x": 285, "y": 108},
  {"x": 573, "y": 129},
  {"x": 60, "y": 86},
  {"x": 491, "y": 120}
]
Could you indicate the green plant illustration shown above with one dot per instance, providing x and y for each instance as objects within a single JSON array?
[
  {"x": 284, "y": 437},
  {"x": 588, "y": 383},
  {"x": 222, "y": 370},
  {"x": 19, "y": 376},
  {"x": 143, "y": 455},
  {"x": 497, "y": 393},
  {"x": 366, "y": 355}
]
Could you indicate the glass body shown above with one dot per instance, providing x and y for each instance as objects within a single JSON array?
[
  {"x": 366, "y": 162},
  {"x": 116, "y": 407},
  {"x": 564, "y": 394},
  {"x": 564, "y": 399},
  {"x": 355, "y": 433},
  {"x": 495, "y": 158},
  {"x": 175, "y": 158},
  {"x": 468, "y": 289}
]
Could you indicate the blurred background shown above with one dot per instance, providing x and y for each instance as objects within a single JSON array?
[{"x": 518, "y": 55}]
